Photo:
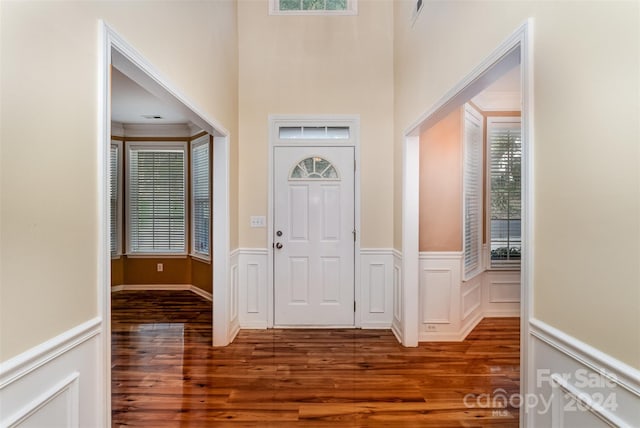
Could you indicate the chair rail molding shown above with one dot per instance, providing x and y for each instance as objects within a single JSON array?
[{"x": 50, "y": 382}]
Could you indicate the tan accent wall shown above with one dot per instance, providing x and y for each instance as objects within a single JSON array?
[
  {"x": 202, "y": 275},
  {"x": 117, "y": 271},
  {"x": 587, "y": 157},
  {"x": 50, "y": 272},
  {"x": 441, "y": 185},
  {"x": 144, "y": 271}
]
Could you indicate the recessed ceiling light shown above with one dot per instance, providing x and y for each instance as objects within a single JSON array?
[{"x": 151, "y": 116}]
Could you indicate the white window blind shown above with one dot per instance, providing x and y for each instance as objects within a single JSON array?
[
  {"x": 472, "y": 205},
  {"x": 156, "y": 198},
  {"x": 115, "y": 198},
  {"x": 505, "y": 160},
  {"x": 200, "y": 198}
]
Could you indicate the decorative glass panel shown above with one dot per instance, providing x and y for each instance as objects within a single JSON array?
[{"x": 314, "y": 168}]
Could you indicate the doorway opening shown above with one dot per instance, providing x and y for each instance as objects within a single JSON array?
[
  {"x": 117, "y": 56},
  {"x": 514, "y": 52}
]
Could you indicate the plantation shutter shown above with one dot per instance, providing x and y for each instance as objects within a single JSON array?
[
  {"x": 200, "y": 194},
  {"x": 505, "y": 174},
  {"x": 472, "y": 192},
  {"x": 113, "y": 199},
  {"x": 157, "y": 200}
]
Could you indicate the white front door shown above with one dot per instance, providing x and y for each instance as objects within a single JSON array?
[{"x": 314, "y": 236}]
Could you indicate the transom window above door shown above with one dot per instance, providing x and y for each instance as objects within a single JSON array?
[
  {"x": 312, "y": 7},
  {"x": 312, "y": 168}
]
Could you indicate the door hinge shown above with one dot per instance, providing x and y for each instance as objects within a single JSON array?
[
  {"x": 354, "y": 165},
  {"x": 354, "y": 306},
  {"x": 354, "y": 235}
]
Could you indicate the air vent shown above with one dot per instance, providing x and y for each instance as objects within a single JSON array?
[{"x": 151, "y": 116}]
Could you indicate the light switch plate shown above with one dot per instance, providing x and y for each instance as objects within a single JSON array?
[{"x": 258, "y": 221}]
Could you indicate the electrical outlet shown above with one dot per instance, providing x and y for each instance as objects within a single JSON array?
[
  {"x": 432, "y": 327},
  {"x": 160, "y": 267}
]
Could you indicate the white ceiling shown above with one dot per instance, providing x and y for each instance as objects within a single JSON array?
[
  {"x": 501, "y": 95},
  {"x": 130, "y": 103}
]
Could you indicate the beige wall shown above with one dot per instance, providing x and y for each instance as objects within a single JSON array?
[
  {"x": 48, "y": 134},
  {"x": 317, "y": 65},
  {"x": 587, "y": 156},
  {"x": 441, "y": 185}
]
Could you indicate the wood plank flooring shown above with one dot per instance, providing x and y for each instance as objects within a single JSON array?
[{"x": 166, "y": 374}]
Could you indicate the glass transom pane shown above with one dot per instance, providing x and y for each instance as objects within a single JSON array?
[{"x": 314, "y": 168}]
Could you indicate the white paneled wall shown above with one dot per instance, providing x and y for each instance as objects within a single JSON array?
[
  {"x": 450, "y": 307},
  {"x": 252, "y": 287},
  {"x": 377, "y": 273},
  {"x": 376, "y": 302},
  {"x": 576, "y": 385},
  {"x": 55, "y": 384},
  {"x": 397, "y": 288}
]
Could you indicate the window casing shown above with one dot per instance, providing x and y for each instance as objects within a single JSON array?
[
  {"x": 200, "y": 198},
  {"x": 115, "y": 198},
  {"x": 156, "y": 198},
  {"x": 313, "y": 7},
  {"x": 504, "y": 144},
  {"x": 472, "y": 192}
]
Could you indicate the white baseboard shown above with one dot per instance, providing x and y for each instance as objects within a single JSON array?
[
  {"x": 170, "y": 287},
  {"x": 583, "y": 385},
  {"x": 55, "y": 383}
]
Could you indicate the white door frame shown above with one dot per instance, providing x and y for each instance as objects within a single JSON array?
[
  {"x": 114, "y": 49},
  {"x": 517, "y": 47},
  {"x": 275, "y": 122}
]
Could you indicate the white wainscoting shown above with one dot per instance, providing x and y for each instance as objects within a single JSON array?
[
  {"x": 377, "y": 271},
  {"x": 576, "y": 385},
  {"x": 56, "y": 383},
  {"x": 397, "y": 287},
  {"x": 439, "y": 296},
  {"x": 252, "y": 288},
  {"x": 501, "y": 293},
  {"x": 450, "y": 307},
  {"x": 379, "y": 274}
]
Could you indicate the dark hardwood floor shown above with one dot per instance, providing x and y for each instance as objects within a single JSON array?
[{"x": 166, "y": 374}]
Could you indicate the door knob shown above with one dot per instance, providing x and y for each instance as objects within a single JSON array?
[{"x": 278, "y": 245}]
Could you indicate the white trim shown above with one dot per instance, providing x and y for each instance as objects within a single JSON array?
[
  {"x": 579, "y": 397},
  {"x": 156, "y": 256},
  {"x": 36, "y": 357},
  {"x": 440, "y": 255},
  {"x": 47, "y": 380},
  {"x": 378, "y": 251},
  {"x": 115, "y": 50},
  {"x": 119, "y": 199},
  {"x": 410, "y": 241},
  {"x": 156, "y": 146},
  {"x": 164, "y": 130},
  {"x": 625, "y": 376},
  {"x": 274, "y": 123},
  {"x": 70, "y": 383},
  {"x": 201, "y": 141},
  {"x": 251, "y": 251},
  {"x": 352, "y": 9},
  {"x": 154, "y": 287},
  {"x": 518, "y": 47}
]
